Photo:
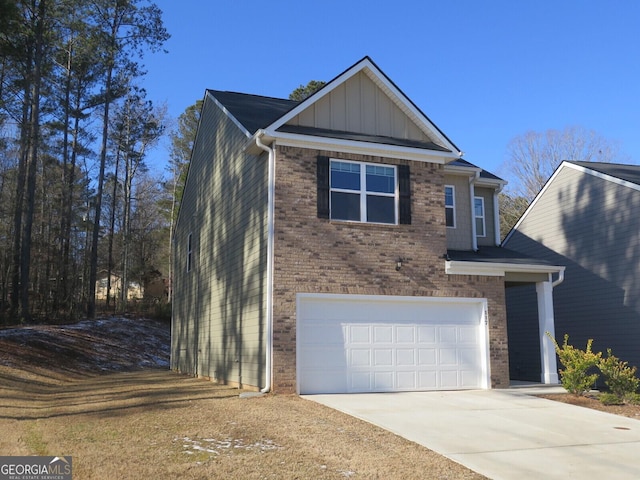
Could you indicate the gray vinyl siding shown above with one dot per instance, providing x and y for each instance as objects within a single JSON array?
[
  {"x": 592, "y": 226},
  {"x": 459, "y": 238},
  {"x": 219, "y": 311}
]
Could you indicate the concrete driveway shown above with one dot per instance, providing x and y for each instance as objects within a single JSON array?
[{"x": 505, "y": 434}]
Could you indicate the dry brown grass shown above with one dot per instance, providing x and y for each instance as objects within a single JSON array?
[
  {"x": 158, "y": 424},
  {"x": 592, "y": 401}
]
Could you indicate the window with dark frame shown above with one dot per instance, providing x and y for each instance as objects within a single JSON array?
[{"x": 363, "y": 192}]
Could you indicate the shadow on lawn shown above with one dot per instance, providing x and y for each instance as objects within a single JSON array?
[{"x": 26, "y": 398}]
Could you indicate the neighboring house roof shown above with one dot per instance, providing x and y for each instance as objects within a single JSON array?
[
  {"x": 628, "y": 173},
  {"x": 619, "y": 173}
]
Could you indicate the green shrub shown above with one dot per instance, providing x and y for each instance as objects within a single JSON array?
[
  {"x": 575, "y": 376},
  {"x": 608, "y": 398},
  {"x": 618, "y": 376},
  {"x": 633, "y": 398}
]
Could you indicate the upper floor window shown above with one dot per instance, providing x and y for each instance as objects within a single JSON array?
[
  {"x": 478, "y": 213},
  {"x": 450, "y": 205},
  {"x": 363, "y": 192}
]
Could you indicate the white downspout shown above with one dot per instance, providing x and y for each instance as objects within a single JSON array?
[
  {"x": 270, "y": 241},
  {"x": 559, "y": 280},
  {"x": 472, "y": 194}
]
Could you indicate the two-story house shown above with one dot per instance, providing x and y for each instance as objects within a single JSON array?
[{"x": 342, "y": 244}]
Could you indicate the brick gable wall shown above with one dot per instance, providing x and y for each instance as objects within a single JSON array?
[{"x": 313, "y": 255}]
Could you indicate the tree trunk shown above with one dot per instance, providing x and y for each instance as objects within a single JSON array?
[{"x": 32, "y": 160}]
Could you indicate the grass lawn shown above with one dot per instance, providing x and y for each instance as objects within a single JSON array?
[{"x": 152, "y": 423}]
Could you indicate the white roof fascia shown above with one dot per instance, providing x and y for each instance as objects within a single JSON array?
[
  {"x": 490, "y": 182},
  {"x": 471, "y": 172},
  {"x": 457, "y": 169},
  {"x": 401, "y": 99},
  {"x": 228, "y": 114},
  {"x": 364, "y": 148},
  {"x": 460, "y": 267}
]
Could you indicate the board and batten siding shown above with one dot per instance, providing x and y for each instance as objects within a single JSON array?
[
  {"x": 219, "y": 312},
  {"x": 592, "y": 226},
  {"x": 359, "y": 105}
]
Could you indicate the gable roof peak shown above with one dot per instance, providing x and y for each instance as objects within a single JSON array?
[{"x": 371, "y": 69}]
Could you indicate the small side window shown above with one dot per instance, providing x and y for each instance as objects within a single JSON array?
[
  {"x": 478, "y": 212},
  {"x": 450, "y": 205}
]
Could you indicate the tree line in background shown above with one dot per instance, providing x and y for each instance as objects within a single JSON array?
[
  {"x": 76, "y": 197},
  {"x": 79, "y": 208}
]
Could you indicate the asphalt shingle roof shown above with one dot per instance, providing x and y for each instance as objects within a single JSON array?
[
  {"x": 253, "y": 111},
  {"x": 495, "y": 255},
  {"x": 461, "y": 162},
  {"x": 322, "y": 132}
]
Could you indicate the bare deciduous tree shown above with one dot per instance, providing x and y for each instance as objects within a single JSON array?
[{"x": 533, "y": 156}]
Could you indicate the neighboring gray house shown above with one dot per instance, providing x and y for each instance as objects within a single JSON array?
[
  {"x": 341, "y": 244},
  {"x": 587, "y": 217}
]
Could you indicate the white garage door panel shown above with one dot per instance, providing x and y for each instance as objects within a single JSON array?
[{"x": 381, "y": 344}]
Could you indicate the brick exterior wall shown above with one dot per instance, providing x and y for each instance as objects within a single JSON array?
[{"x": 313, "y": 255}]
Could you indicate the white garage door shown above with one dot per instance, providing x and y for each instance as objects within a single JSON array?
[{"x": 349, "y": 343}]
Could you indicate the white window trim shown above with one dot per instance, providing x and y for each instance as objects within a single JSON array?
[
  {"x": 189, "y": 252},
  {"x": 452, "y": 207},
  {"x": 363, "y": 192},
  {"x": 483, "y": 217}
]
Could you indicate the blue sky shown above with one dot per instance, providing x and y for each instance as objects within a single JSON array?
[{"x": 482, "y": 71}]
